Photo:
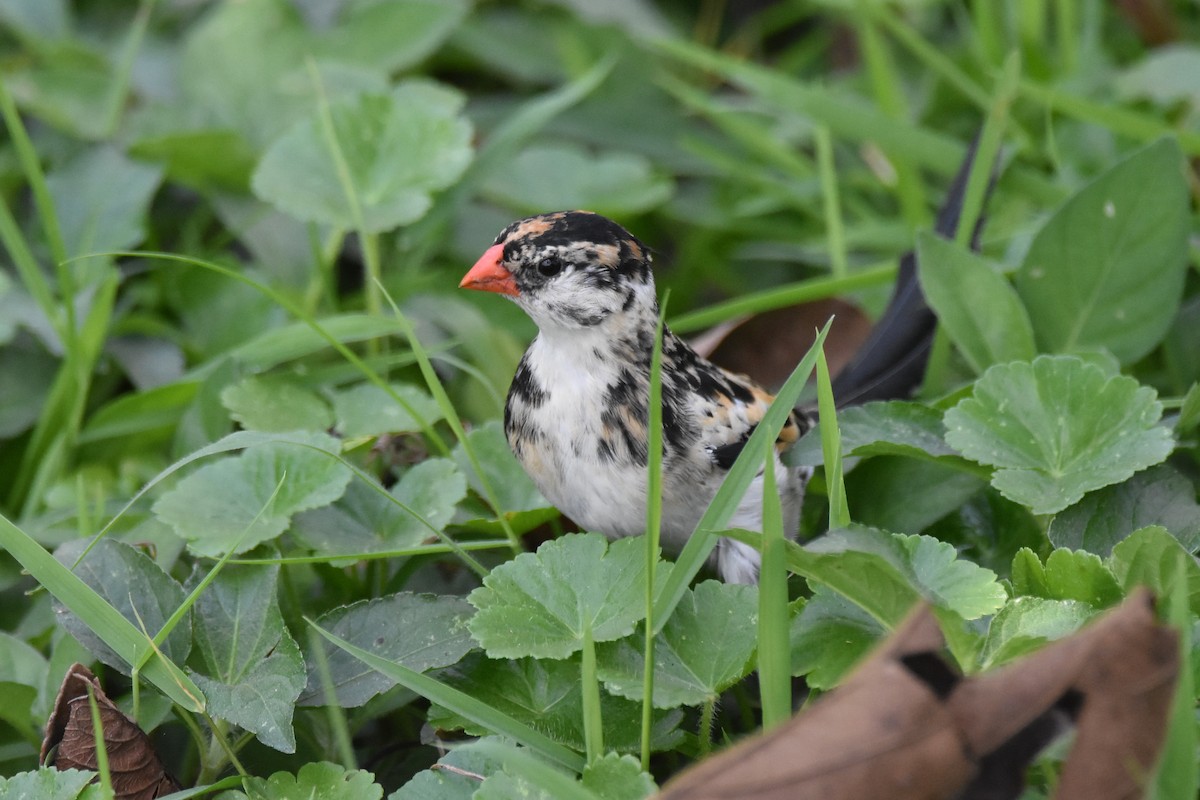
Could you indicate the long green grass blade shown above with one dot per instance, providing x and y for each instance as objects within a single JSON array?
[
  {"x": 117, "y": 632},
  {"x": 831, "y": 447},
  {"x": 774, "y": 651}
]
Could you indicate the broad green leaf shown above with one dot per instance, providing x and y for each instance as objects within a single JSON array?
[
  {"x": 539, "y": 604},
  {"x": 1157, "y": 496},
  {"x": 1107, "y": 269},
  {"x": 907, "y": 495},
  {"x": 1067, "y": 575},
  {"x": 253, "y": 671},
  {"x": 1147, "y": 557},
  {"x": 23, "y": 671},
  {"x": 396, "y": 150},
  {"x": 367, "y": 410},
  {"x": 26, "y": 376},
  {"x": 275, "y": 406},
  {"x": 1026, "y": 623},
  {"x": 702, "y": 650},
  {"x": 259, "y": 491},
  {"x": 48, "y": 783},
  {"x": 205, "y": 159},
  {"x": 134, "y": 585},
  {"x": 47, "y": 20},
  {"x": 929, "y": 567},
  {"x": 1167, "y": 74},
  {"x": 567, "y": 176},
  {"x": 420, "y": 631},
  {"x": 975, "y": 303},
  {"x": 895, "y": 427},
  {"x": 101, "y": 198},
  {"x": 365, "y": 521},
  {"x": 546, "y": 695},
  {"x": 393, "y": 35},
  {"x": 1057, "y": 428},
  {"x": 519, "y": 499},
  {"x": 453, "y": 779},
  {"x": 617, "y": 777},
  {"x": 316, "y": 780},
  {"x": 125, "y": 639},
  {"x": 829, "y": 636}
]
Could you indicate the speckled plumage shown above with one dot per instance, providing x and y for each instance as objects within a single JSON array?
[{"x": 577, "y": 409}]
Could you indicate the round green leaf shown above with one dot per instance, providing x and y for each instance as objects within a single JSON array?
[
  {"x": 394, "y": 151},
  {"x": 1057, "y": 428}
]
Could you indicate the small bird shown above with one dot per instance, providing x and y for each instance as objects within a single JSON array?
[{"x": 577, "y": 410}]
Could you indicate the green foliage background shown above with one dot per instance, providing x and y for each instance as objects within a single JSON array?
[{"x": 241, "y": 397}]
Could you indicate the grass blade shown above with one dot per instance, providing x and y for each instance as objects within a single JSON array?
[{"x": 774, "y": 651}]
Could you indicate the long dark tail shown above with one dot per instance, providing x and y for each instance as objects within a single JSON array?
[{"x": 891, "y": 363}]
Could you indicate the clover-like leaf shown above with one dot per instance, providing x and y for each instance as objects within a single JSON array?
[
  {"x": 135, "y": 586},
  {"x": 237, "y": 502},
  {"x": 1151, "y": 557},
  {"x": 829, "y": 636},
  {"x": 540, "y": 604},
  {"x": 253, "y": 671},
  {"x": 894, "y": 427},
  {"x": 1157, "y": 496},
  {"x": 1066, "y": 575},
  {"x": 1107, "y": 269},
  {"x": 48, "y": 783},
  {"x": 1057, "y": 428},
  {"x": 1026, "y": 623},
  {"x": 566, "y": 176},
  {"x": 367, "y": 410},
  {"x": 617, "y": 777},
  {"x": 420, "y": 631},
  {"x": 546, "y": 695},
  {"x": 394, "y": 150},
  {"x": 703, "y": 649},
  {"x": 364, "y": 520},
  {"x": 275, "y": 406},
  {"x": 319, "y": 780},
  {"x": 454, "y": 775}
]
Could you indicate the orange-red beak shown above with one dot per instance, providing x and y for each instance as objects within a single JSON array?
[{"x": 489, "y": 275}]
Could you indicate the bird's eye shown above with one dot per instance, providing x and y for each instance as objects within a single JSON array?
[{"x": 550, "y": 266}]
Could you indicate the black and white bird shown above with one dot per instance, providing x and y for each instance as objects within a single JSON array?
[{"x": 576, "y": 415}]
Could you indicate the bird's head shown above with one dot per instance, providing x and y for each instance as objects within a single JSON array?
[{"x": 569, "y": 269}]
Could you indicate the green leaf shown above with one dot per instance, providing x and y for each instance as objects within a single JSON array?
[
  {"x": 135, "y": 586},
  {"x": 317, "y": 780},
  {"x": 253, "y": 669},
  {"x": 546, "y": 695},
  {"x": 567, "y": 176},
  {"x": 1057, "y": 428},
  {"x": 518, "y": 498},
  {"x": 23, "y": 671},
  {"x": 895, "y": 427},
  {"x": 260, "y": 490},
  {"x": 453, "y": 779},
  {"x": 829, "y": 636},
  {"x": 702, "y": 650},
  {"x": 1167, "y": 74},
  {"x": 101, "y": 198},
  {"x": 907, "y": 495},
  {"x": 364, "y": 520},
  {"x": 420, "y": 631},
  {"x": 275, "y": 406},
  {"x": 1157, "y": 496},
  {"x": 367, "y": 410},
  {"x": 1147, "y": 557},
  {"x": 617, "y": 777},
  {"x": 1189, "y": 411},
  {"x": 1107, "y": 269},
  {"x": 1026, "y": 623},
  {"x": 394, "y": 35},
  {"x": 925, "y": 564},
  {"x": 48, "y": 783},
  {"x": 1067, "y": 575},
  {"x": 396, "y": 150},
  {"x": 27, "y": 374},
  {"x": 976, "y": 304},
  {"x": 539, "y": 604}
]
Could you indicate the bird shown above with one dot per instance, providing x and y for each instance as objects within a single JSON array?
[{"x": 577, "y": 409}]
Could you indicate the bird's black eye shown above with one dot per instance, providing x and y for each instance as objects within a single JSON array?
[{"x": 550, "y": 266}]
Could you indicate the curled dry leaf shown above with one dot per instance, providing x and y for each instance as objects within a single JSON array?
[
  {"x": 905, "y": 725},
  {"x": 70, "y": 743}
]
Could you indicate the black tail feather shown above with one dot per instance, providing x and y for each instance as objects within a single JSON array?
[{"x": 891, "y": 363}]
